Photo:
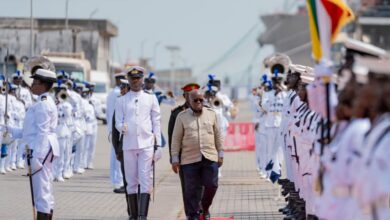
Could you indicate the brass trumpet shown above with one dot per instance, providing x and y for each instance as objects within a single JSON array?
[
  {"x": 62, "y": 96},
  {"x": 215, "y": 103}
]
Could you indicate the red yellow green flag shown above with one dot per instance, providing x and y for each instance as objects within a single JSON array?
[{"x": 326, "y": 18}]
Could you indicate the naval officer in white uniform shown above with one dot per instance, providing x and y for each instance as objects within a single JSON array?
[
  {"x": 137, "y": 116},
  {"x": 38, "y": 133}
]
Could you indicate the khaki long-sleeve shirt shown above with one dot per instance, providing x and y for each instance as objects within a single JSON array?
[{"x": 194, "y": 136}]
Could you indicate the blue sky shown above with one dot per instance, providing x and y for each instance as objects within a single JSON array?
[{"x": 203, "y": 29}]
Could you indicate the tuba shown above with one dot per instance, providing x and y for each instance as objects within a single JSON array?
[
  {"x": 35, "y": 63},
  {"x": 279, "y": 63}
]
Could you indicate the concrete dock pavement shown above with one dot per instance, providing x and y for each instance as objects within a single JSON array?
[{"x": 241, "y": 194}]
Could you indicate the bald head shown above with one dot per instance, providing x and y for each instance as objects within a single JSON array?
[{"x": 196, "y": 100}]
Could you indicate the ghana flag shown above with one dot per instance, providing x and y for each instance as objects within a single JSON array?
[{"x": 326, "y": 18}]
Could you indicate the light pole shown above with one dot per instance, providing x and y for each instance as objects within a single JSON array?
[
  {"x": 174, "y": 52},
  {"x": 66, "y": 14},
  {"x": 155, "y": 54},
  {"x": 31, "y": 29},
  {"x": 90, "y": 54}
]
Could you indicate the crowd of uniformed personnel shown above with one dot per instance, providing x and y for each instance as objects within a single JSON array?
[
  {"x": 78, "y": 112},
  {"x": 50, "y": 126},
  {"x": 323, "y": 138},
  {"x": 328, "y": 134}
]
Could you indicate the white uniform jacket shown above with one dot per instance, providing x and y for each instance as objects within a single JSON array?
[
  {"x": 39, "y": 127},
  {"x": 111, "y": 100},
  {"x": 273, "y": 105},
  {"x": 65, "y": 120},
  {"x": 141, "y": 112}
]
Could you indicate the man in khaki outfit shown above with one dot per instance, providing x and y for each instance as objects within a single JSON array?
[{"x": 197, "y": 136}]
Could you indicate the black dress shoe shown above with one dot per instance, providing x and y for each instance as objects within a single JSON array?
[
  {"x": 206, "y": 216},
  {"x": 120, "y": 190}
]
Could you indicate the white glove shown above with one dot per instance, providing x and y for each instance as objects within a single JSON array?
[
  {"x": 157, "y": 154},
  {"x": 125, "y": 128}
]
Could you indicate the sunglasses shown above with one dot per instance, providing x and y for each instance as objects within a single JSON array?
[{"x": 198, "y": 100}]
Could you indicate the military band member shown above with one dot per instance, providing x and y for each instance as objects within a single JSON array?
[
  {"x": 272, "y": 103},
  {"x": 38, "y": 133},
  {"x": 259, "y": 116},
  {"x": 137, "y": 117},
  {"x": 169, "y": 99},
  {"x": 81, "y": 125},
  {"x": 149, "y": 86},
  {"x": 62, "y": 166},
  {"x": 17, "y": 113},
  {"x": 22, "y": 92}
]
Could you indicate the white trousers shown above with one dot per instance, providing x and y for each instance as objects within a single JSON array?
[
  {"x": 286, "y": 141},
  {"x": 11, "y": 158},
  {"x": 274, "y": 152},
  {"x": 115, "y": 170},
  {"x": 90, "y": 144},
  {"x": 63, "y": 161},
  {"x": 79, "y": 159},
  {"x": 68, "y": 156},
  {"x": 20, "y": 153},
  {"x": 138, "y": 169},
  {"x": 261, "y": 150},
  {"x": 308, "y": 194},
  {"x": 43, "y": 188}
]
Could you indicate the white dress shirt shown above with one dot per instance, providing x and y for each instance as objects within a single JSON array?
[{"x": 140, "y": 111}]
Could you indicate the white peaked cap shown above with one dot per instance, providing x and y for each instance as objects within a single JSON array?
[
  {"x": 365, "y": 65},
  {"x": 124, "y": 81},
  {"x": 45, "y": 75}
]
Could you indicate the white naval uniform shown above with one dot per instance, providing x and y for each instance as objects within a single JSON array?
[
  {"x": 62, "y": 165},
  {"x": 79, "y": 129},
  {"x": 290, "y": 106},
  {"x": 273, "y": 105},
  {"x": 260, "y": 137},
  {"x": 98, "y": 106},
  {"x": 85, "y": 117},
  {"x": 25, "y": 95},
  {"x": 17, "y": 113},
  {"x": 304, "y": 145},
  {"x": 338, "y": 178},
  {"x": 90, "y": 134},
  {"x": 11, "y": 148},
  {"x": 115, "y": 166},
  {"x": 38, "y": 133},
  {"x": 140, "y": 111},
  {"x": 226, "y": 103},
  {"x": 2, "y": 112},
  {"x": 375, "y": 166}
]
